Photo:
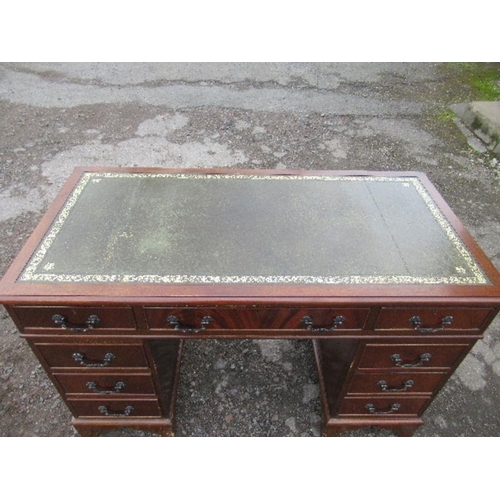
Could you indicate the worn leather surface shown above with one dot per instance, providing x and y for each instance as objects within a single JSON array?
[{"x": 159, "y": 227}]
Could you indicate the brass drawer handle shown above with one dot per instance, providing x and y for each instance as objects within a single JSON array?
[
  {"x": 106, "y": 411},
  {"x": 372, "y": 409},
  {"x": 174, "y": 321},
  {"x": 417, "y": 323},
  {"x": 80, "y": 358},
  {"x": 62, "y": 321},
  {"x": 337, "y": 321},
  {"x": 399, "y": 362},
  {"x": 384, "y": 386},
  {"x": 119, "y": 386}
]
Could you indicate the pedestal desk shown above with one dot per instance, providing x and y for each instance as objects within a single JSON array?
[{"x": 373, "y": 267}]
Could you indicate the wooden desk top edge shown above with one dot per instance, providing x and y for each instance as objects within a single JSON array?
[{"x": 15, "y": 292}]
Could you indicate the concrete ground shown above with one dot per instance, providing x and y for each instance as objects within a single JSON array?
[{"x": 378, "y": 116}]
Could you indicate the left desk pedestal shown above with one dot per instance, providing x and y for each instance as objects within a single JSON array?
[{"x": 109, "y": 384}]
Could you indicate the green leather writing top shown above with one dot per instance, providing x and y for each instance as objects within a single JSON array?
[{"x": 184, "y": 228}]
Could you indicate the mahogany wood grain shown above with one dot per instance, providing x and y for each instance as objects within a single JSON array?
[
  {"x": 93, "y": 427},
  {"x": 357, "y": 356},
  {"x": 333, "y": 361},
  {"x": 165, "y": 357},
  {"x": 407, "y": 406},
  {"x": 17, "y": 292},
  {"x": 370, "y": 383},
  {"x": 61, "y": 355},
  {"x": 378, "y": 356},
  {"x": 464, "y": 318},
  {"x": 255, "y": 318},
  {"x": 403, "y": 427},
  {"x": 77, "y": 383},
  {"x": 35, "y": 318},
  {"x": 145, "y": 408}
]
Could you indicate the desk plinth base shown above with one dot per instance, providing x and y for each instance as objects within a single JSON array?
[
  {"x": 94, "y": 427},
  {"x": 337, "y": 426}
]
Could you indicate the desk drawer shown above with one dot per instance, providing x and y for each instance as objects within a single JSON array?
[
  {"x": 67, "y": 319},
  {"x": 107, "y": 408},
  {"x": 198, "y": 320},
  {"x": 110, "y": 384},
  {"x": 382, "y": 407},
  {"x": 412, "y": 356},
  {"x": 392, "y": 383},
  {"x": 431, "y": 320},
  {"x": 94, "y": 356}
]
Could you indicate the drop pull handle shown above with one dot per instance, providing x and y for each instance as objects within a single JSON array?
[
  {"x": 106, "y": 411},
  {"x": 308, "y": 322},
  {"x": 62, "y": 321},
  {"x": 373, "y": 409},
  {"x": 119, "y": 386},
  {"x": 80, "y": 358},
  {"x": 384, "y": 386},
  {"x": 398, "y": 361},
  {"x": 174, "y": 321},
  {"x": 417, "y": 324}
]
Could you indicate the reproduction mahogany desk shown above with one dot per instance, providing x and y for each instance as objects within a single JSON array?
[{"x": 373, "y": 267}]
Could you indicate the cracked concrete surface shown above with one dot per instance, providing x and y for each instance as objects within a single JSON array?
[
  {"x": 56, "y": 116},
  {"x": 40, "y": 90},
  {"x": 317, "y": 75}
]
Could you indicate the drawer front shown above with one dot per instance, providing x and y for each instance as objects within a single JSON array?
[
  {"x": 382, "y": 407},
  {"x": 75, "y": 319},
  {"x": 392, "y": 383},
  {"x": 95, "y": 356},
  {"x": 411, "y": 356},
  {"x": 114, "y": 408},
  {"x": 109, "y": 384},
  {"x": 194, "y": 320},
  {"x": 429, "y": 320}
]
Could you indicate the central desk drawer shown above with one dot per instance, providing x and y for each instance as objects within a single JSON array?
[
  {"x": 95, "y": 356},
  {"x": 199, "y": 320},
  {"x": 68, "y": 319},
  {"x": 411, "y": 356}
]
